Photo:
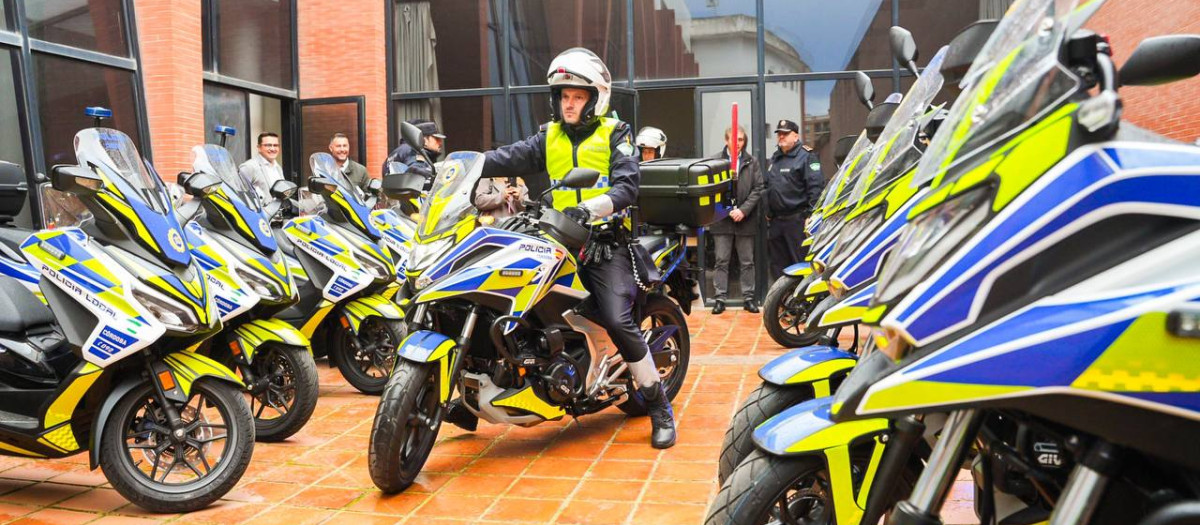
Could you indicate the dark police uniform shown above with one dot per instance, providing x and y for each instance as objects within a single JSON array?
[
  {"x": 605, "y": 145},
  {"x": 794, "y": 183}
]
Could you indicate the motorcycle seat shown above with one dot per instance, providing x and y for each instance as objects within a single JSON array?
[
  {"x": 653, "y": 243},
  {"x": 20, "y": 310},
  {"x": 12, "y": 238}
]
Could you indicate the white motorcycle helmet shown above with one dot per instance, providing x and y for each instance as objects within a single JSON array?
[
  {"x": 580, "y": 68},
  {"x": 652, "y": 137}
]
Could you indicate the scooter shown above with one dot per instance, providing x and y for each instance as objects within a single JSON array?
[
  {"x": 345, "y": 282},
  {"x": 104, "y": 368},
  {"x": 230, "y": 235}
]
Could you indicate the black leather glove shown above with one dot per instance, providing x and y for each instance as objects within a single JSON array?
[{"x": 579, "y": 215}]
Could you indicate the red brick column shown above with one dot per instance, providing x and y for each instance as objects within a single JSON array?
[
  {"x": 170, "y": 42},
  {"x": 1172, "y": 109},
  {"x": 342, "y": 53}
]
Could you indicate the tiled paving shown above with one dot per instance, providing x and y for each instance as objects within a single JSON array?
[{"x": 599, "y": 469}]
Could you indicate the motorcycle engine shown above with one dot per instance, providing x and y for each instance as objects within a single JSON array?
[{"x": 561, "y": 380}]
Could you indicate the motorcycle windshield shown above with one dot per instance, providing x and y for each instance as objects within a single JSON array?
[
  {"x": 854, "y": 187},
  {"x": 239, "y": 202},
  {"x": 450, "y": 198},
  {"x": 838, "y": 184},
  {"x": 215, "y": 160},
  {"x": 1016, "y": 80},
  {"x": 133, "y": 191},
  {"x": 324, "y": 165},
  {"x": 898, "y": 151}
]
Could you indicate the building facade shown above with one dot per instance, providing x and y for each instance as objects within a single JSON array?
[{"x": 173, "y": 69}]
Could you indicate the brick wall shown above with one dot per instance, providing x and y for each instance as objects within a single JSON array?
[
  {"x": 342, "y": 53},
  {"x": 1172, "y": 109},
  {"x": 172, "y": 73}
]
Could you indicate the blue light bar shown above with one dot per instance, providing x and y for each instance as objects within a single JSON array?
[
  {"x": 98, "y": 112},
  {"x": 228, "y": 130}
]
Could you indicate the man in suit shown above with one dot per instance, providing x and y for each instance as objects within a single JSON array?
[
  {"x": 738, "y": 230},
  {"x": 264, "y": 170},
  {"x": 339, "y": 147}
]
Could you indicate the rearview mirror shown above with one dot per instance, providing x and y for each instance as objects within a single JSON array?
[
  {"x": 878, "y": 118},
  {"x": 964, "y": 47},
  {"x": 200, "y": 184},
  {"x": 322, "y": 185},
  {"x": 841, "y": 149},
  {"x": 864, "y": 88},
  {"x": 904, "y": 48},
  {"x": 579, "y": 178},
  {"x": 1162, "y": 59},
  {"x": 403, "y": 185},
  {"x": 373, "y": 186},
  {"x": 415, "y": 139},
  {"x": 75, "y": 179},
  {"x": 283, "y": 189}
]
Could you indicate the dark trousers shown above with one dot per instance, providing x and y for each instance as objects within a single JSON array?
[
  {"x": 614, "y": 292},
  {"x": 784, "y": 238},
  {"x": 724, "y": 245}
]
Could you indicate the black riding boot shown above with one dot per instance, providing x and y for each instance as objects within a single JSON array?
[{"x": 662, "y": 418}]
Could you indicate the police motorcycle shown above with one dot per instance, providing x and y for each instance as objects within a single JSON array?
[
  {"x": 499, "y": 318},
  {"x": 230, "y": 236},
  {"x": 404, "y": 191},
  {"x": 962, "y": 280},
  {"x": 345, "y": 280},
  {"x": 792, "y": 296},
  {"x": 104, "y": 368}
]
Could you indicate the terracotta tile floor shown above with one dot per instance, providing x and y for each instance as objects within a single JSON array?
[{"x": 599, "y": 469}]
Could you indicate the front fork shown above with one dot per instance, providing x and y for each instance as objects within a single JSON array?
[
  {"x": 452, "y": 364},
  {"x": 923, "y": 506},
  {"x": 160, "y": 396}
]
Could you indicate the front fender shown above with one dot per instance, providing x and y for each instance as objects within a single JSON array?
[
  {"x": 426, "y": 346},
  {"x": 354, "y": 312},
  {"x": 254, "y": 334},
  {"x": 802, "y": 269},
  {"x": 184, "y": 369},
  {"x": 814, "y": 365},
  {"x": 849, "y": 310},
  {"x": 807, "y": 429}
]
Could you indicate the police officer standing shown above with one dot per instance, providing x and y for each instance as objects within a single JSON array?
[
  {"x": 579, "y": 136},
  {"x": 794, "y": 184}
]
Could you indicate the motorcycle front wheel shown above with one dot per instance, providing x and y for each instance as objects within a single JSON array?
[
  {"x": 162, "y": 472},
  {"x": 286, "y": 396},
  {"x": 785, "y": 314},
  {"x": 366, "y": 360},
  {"x": 406, "y": 425},
  {"x": 765, "y": 402},
  {"x": 660, "y": 311}
]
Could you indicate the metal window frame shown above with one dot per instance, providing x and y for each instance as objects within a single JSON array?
[
  {"x": 28, "y": 106},
  {"x": 212, "y": 69},
  {"x": 633, "y": 85},
  {"x": 360, "y": 102}
]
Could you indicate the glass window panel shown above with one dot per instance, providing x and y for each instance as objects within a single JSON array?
[
  {"x": 671, "y": 110},
  {"x": 716, "y": 113},
  {"x": 65, "y": 87},
  {"x": 225, "y": 106},
  {"x": 254, "y": 41},
  {"x": 447, "y": 44},
  {"x": 319, "y": 123},
  {"x": 266, "y": 114},
  {"x": 97, "y": 25},
  {"x": 11, "y": 147},
  {"x": 3, "y": 15},
  {"x": 830, "y": 110},
  {"x": 541, "y": 29},
  {"x": 695, "y": 38},
  {"x": 469, "y": 123},
  {"x": 816, "y": 35},
  {"x": 934, "y": 23}
]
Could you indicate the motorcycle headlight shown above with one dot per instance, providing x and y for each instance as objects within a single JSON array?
[
  {"x": 374, "y": 266},
  {"x": 927, "y": 240},
  {"x": 857, "y": 232},
  {"x": 264, "y": 287},
  {"x": 175, "y": 315},
  {"x": 425, "y": 254}
]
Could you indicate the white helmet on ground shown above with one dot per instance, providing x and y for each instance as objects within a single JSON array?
[
  {"x": 651, "y": 137},
  {"x": 580, "y": 68}
]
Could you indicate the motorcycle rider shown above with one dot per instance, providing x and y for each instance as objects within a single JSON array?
[
  {"x": 652, "y": 142},
  {"x": 580, "y": 136}
]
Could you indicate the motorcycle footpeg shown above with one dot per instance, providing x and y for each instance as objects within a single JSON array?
[{"x": 459, "y": 416}]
